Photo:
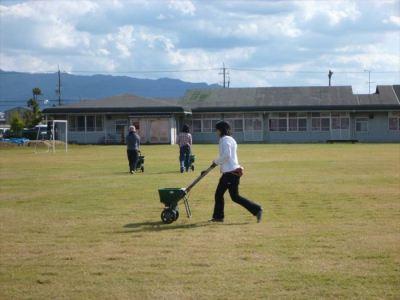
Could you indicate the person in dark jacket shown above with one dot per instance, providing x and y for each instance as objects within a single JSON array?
[{"x": 133, "y": 146}]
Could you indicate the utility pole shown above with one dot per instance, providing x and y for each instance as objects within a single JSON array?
[
  {"x": 224, "y": 74},
  {"x": 330, "y": 73},
  {"x": 369, "y": 80},
  {"x": 58, "y": 90}
]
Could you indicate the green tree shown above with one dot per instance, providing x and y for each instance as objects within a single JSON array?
[
  {"x": 34, "y": 116},
  {"x": 16, "y": 125},
  {"x": 36, "y": 92}
]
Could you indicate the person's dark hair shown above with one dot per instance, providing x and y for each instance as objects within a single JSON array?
[
  {"x": 223, "y": 127},
  {"x": 185, "y": 128}
]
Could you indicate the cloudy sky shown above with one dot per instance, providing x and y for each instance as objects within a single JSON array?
[{"x": 264, "y": 43}]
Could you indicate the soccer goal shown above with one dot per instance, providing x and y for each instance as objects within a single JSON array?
[{"x": 53, "y": 136}]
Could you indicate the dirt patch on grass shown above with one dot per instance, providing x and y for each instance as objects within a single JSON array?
[{"x": 7, "y": 145}]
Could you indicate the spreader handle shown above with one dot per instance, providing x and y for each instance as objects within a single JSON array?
[{"x": 201, "y": 176}]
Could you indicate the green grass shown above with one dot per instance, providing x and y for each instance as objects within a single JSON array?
[{"x": 77, "y": 226}]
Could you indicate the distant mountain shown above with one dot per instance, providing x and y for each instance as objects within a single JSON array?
[{"x": 16, "y": 87}]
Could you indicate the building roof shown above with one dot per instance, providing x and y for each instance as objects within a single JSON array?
[
  {"x": 17, "y": 108},
  {"x": 384, "y": 95},
  {"x": 244, "y": 99},
  {"x": 275, "y": 98},
  {"x": 120, "y": 103},
  {"x": 396, "y": 89}
]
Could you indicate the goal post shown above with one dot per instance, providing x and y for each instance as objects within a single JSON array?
[
  {"x": 53, "y": 135},
  {"x": 57, "y": 133}
]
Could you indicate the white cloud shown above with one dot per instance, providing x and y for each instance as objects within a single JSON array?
[
  {"x": 48, "y": 10},
  {"x": 63, "y": 35},
  {"x": 185, "y": 7},
  {"x": 156, "y": 39},
  {"x": 393, "y": 19},
  {"x": 26, "y": 62},
  {"x": 336, "y": 11},
  {"x": 123, "y": 40},
  {"x": 158, "y": 34}
]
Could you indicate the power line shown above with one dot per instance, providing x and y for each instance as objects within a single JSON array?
[
  {"x": 205, "y": 69},
  {"x": 116, "y": 72},
  {"x": 308, "y": 72}
]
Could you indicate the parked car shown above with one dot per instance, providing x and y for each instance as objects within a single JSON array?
[
  {"x": 3, "y": 131},
  {"x": 38, "y": 132}
]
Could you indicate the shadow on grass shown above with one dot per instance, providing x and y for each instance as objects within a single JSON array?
[
  {"x": 164, "y": 172},
  {"x": 160, "y": 226},
  {"x": 148, "y": 173}
]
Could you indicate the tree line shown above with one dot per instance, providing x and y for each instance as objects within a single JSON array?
[{"x": 30, "y": 118}]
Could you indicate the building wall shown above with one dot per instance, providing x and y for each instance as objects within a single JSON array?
[
  {"x": 378, "y": 131},
  {"x": 115, "y": 129}
]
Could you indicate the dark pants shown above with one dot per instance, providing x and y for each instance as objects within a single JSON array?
[
  {"x": 133, "y": 159},
  {"x": 231, "y": 182},
  {"x": 184, "y": 157}
]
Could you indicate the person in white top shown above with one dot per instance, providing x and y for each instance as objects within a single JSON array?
[{"x": 231, "y": 173}]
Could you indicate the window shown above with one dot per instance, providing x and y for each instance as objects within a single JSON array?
[
  {"x": 238, "y": 125},
  {"x": 99, "y": 123},
  {"x": 120, "y": 125},
  {"x": 394, "y": 120},
  {"x": 252, "y": 122},
  {"x": 273, "y": 124},
  {"x": 209, "y": 121},
  {"x": 196, "y": 125},
  {"x": 278, "y": 122},
  {"x": 72, "y": 123},
  {"x": 340, "y": 120},
  {"x": 213, "y": 123},
  {"x": 297, "y": 122},
  {"x": 320, "y": 121},
  {"x": 205, "y": 122},
  {"x": 90, "y": 123},
  {"x": 362, "y": 124},
  {"x": 288, "y": 122},
  {"x": 344, "y": 123},
  {"x": 207, "y": 126},
  {"x": 80, "y": 123},
  {"x": 235, "y": 120}
]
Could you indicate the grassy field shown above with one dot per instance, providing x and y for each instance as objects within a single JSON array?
[{"x": 78, "y": 226}]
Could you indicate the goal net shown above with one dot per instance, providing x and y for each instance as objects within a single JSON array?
[{"x": 52, "y": 137}]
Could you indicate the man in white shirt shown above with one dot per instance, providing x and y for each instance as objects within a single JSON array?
[{"x": 231, "y": 173}]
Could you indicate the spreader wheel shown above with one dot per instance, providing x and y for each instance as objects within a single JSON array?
[
  {"x": 168, "y": 216},
  {"x": 192, "y": 167}
]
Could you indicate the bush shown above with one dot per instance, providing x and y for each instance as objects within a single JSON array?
[{"x": 16, "y": 126}]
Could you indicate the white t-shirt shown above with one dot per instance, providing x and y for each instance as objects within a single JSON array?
[{"x": 227, "y": 160}]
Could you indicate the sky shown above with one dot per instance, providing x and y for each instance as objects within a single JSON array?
[{"x": 262, "y": 43}]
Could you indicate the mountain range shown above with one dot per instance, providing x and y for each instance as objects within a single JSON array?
[{"x": 16, "y": 87}]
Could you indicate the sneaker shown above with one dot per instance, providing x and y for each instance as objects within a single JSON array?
[
  {"x": 214, "y": 220},
  {"x": 131, "y": 172},
  {"x": 259, "y": 215},
  {"x": 182, "y": 170}
]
